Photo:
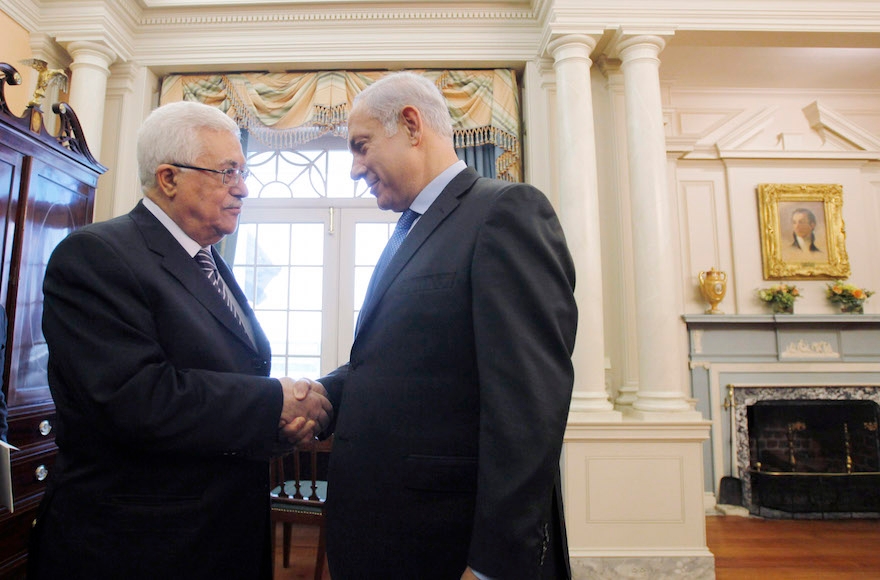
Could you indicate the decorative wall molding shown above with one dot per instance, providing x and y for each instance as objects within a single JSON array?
[
  {"x": 832, "y": 125},
  {"x": 843, "y": 138},
  {"x": 744, "y": 128},
  {"x": 803, "y": 349}
]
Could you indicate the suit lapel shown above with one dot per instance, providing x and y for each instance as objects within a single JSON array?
[
  {"x": 185, "y": 270},
  {"x": 445, "y": 204}
]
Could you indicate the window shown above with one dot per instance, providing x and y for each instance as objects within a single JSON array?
[{"x": 304, "y": 252}]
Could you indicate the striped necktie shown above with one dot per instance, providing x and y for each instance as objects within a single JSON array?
[{"x": 209, "y": 267}]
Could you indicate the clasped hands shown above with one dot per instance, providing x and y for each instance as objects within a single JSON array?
[{"x": 305, "y": 411}]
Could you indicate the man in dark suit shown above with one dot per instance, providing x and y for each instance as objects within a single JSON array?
[
  {"x": 166, "y": 416},
  {"x": 451, "y": 410},
  {"x": 803, "y": 225}
]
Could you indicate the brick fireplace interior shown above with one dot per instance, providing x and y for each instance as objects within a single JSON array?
[{"x": 813, "y": 458}]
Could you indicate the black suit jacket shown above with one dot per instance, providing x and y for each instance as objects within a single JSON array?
[
  {"x": 452, "y": 408},
  {"x": 165, "y": 416},
  {"x": 813, "y": 246}
]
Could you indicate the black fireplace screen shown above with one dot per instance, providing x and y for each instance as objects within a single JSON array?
[{"x": 814, "y": 456}]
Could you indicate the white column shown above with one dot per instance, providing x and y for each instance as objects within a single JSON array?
[
  {"x": 663, "y": 384},
  {"x": 579, "y": 214},
  {"x": 622, "y": 336},
  {"x": 131, "y": 91},
  {"x": 90, "y": 70}
]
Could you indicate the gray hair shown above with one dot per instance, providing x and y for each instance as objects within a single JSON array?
[
  {"x": 386, "y": 98},
  {"x": 170, "y": 135}
]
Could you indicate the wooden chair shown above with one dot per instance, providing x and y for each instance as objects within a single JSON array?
[{"x": 298, "y": 497}]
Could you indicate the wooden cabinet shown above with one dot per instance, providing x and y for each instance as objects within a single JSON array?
[{"x": 47, "y": 190}]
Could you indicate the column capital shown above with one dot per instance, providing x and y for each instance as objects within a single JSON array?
[
  {"x": 96, "y": 54},
  {"x": 44, "y": 46},
  {"x": 88, "y": 86},
  {"x": 571, "y": 46},
  {"x": 651, "y": 43}
]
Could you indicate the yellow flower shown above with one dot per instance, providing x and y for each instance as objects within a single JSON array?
[{"x": 850, "y": 297}]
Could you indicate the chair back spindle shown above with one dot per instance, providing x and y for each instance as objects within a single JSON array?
[{"x": 297, "y": 508}]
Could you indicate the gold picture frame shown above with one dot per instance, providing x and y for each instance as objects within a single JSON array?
[{"x": 802, "y": 231}]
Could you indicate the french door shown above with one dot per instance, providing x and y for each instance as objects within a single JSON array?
[{"x": 304, "y": 266}]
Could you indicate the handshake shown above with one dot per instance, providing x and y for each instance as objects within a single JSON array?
[{"x": 305, "y": 411}]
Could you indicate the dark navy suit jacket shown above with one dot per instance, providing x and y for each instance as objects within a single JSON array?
[{"x": 451, "y": 411}]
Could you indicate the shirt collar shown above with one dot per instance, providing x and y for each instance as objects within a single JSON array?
[
  {"x": 433, "y": 190},
  {"x": 190, "y": 245}
]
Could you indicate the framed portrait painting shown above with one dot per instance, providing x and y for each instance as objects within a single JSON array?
[{"x": 802, "y": 232}]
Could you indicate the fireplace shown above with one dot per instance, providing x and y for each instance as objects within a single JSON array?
[
  {"x": 739, "y": 360},
  {"x": 814, "y": 458}
]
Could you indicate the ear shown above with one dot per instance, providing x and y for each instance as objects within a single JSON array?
[
  {"x": 411, "y": 119},
  {"x": 166, "y": 180}
]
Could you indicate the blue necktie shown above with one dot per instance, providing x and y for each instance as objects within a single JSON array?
[
  {"x": 403, "y": 224},
  {"x": 400, "y": 230},
  {"x": 209, "y": 267}
]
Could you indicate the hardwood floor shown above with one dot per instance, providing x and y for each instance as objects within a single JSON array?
[
  {"x": 303, "y": 550},
  {"x": 749, "y": 548},
  {"x": 745, "y": 548}
]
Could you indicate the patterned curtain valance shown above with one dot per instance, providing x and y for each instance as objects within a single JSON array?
[{"x": 283, "y": 110}]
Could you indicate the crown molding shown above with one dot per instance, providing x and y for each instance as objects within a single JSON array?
[
  {"x": 110, "y": 23},
  {"x": 243, "y": 34},
  {"x": 44, "y": 46},
  {"x": 247, "y": 3},
  {"x": 24, "y": 12},
  {"x": 709, "y": 15},
  {"x": 350, "y": 11},
  {"x": 285, "y": 48}
]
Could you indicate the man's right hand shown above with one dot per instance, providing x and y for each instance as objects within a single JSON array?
[{"x": 305, "y": 410}]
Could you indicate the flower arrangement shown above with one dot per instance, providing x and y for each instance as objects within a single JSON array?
[
  {"x": 851, "y": 298},
  {"x": 780, "y": 297}
]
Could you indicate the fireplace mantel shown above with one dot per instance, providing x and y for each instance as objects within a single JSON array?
[
  {"x": 783, "y": 319},
  {"x": 784, "y": 337},
  {"x": 823, "y": 355}
]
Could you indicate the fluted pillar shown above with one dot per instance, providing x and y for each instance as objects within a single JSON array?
[
  {"x": 663, "y": 384},
  {"x": 90, "y": 70},
  {"x": 579, "y": 214}
]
